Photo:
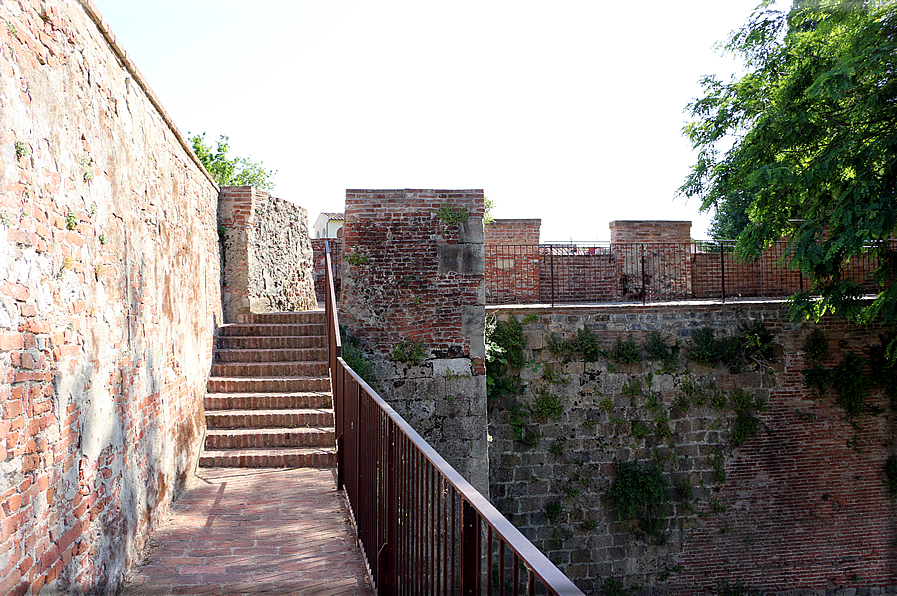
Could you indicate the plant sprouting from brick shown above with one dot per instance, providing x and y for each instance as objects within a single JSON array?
[
  {"x": 557, "y": 447},
  {"x": 626, "y": 351},
  {"x": 685, "y": 489},
  {"x": 12, "y": 30},
  {"x": 816, "y": 346},
  {"x": 692, "y": 392},
  {"x": 93, "y": 210},
  {"x": 889, "y": 472},
  {"x": 85, "y": 166},
  {"x": 639, "y": 494},
  {"x": 530, "y": 318},
  {"x": 607, "y": 404},
  {"x": 662, "y": 425},
  {"x": 504, "y": 355},
  {"x": 21, "y": 150},
  {"x": 571, "y": 492},
  {"x": 746, "y": 424},
  {"x": 553, "y": 511},
  {"x": 632, "y": 388},
  {"x": 717, "y": 461},
  {"x": 5, "y": 220},
  {"x": 612, "y": 587},
  {"x": 553, "y": 376},
  {"x": 354, "y": 355},
  {"x": 452, "y": 214},
  {"x": 547, "y": 405},
  {"x": 356, "y": 258},
  {"x": 71, "y": 219},
  {"x": 589, "y": 525},
  {"x": 584, "y": 345},
  {"x": 754, "y": 342},
  {"x": 409, "y": 352},
  {"x": 638, "y": 429},
  {"x": 718, "y": 399},
  {"x": 717, "y": 506},
  {"x": 589, "y": 423}
]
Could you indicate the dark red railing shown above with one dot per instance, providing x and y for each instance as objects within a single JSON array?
[
  {"x": 422, "y": 528},
  {"x": 646, "y": 272}
]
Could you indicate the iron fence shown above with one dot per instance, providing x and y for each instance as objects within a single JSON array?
[
  {"x": 647, "y": 272},
  {"x": 421, "y": 527}
]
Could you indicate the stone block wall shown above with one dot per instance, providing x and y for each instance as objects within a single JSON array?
[
  {"x": 267, "y": 257},
  {"x": 799, "y": 507},
  {"x": 109, "y": 300},
  {"x": 413, "y": 279},
  {"x": 336, "y": 260}
]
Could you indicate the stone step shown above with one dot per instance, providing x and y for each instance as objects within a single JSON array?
[
  {"x": 268, "y": 401},
  {"x": 249, "y": 438},
  {"x": 272, "y": 355},
  {"x": 297, "y": 317},
  {"x": 261, "y": 342},
  {"x": 270, "y": 369},
  {"x": 298, "y": 418},
  {"x": 270, "y": 329},
  {"x": 296, "y": 457},
  {"x": 267, "y": 384}
]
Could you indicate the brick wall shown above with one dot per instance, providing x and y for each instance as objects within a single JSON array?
[
  {"x": 802, "y": 506},
  {"x": 336, "y": 260},
  {"x": 410, "y": 276},
  {"x": 109, "y": 298},
  {"x": 628, "y": 232},
  {"x": 512, "y": 231},
  {"x": 267, "y": 253}
]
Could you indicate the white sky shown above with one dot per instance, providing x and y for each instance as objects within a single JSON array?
[{"x": 569, "y": 111}]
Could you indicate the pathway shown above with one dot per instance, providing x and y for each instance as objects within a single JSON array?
[{"x": 255, "y": 531}]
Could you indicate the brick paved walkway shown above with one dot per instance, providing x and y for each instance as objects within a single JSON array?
[{"x": 249, "y": 531}]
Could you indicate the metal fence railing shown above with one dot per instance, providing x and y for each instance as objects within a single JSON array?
[
  {"x": 647, "y": 272},
  {"x": 421, "y": 527}
]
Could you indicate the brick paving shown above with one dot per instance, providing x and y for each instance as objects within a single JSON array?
[{"x": 255, "y": 531}]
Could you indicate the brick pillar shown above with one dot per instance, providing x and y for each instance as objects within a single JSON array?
[
  {"x": 652, "y": 257},
  {"x": 267, "y": 254},
  {"x": 411, "y": 275}
]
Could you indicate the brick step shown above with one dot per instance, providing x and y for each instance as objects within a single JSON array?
[
  {"x": 267, "y": 384},
  {"x": 248, "y": 438},
  {"x": 270, "y": 369},
  {"x": 270, "y": 329},
  {"x": 261, "y": 342},
  {"x": 298, "y": 418},
  {"x": 268, "y": 401},
  {"x": 292, "y": 318},
  {"x": 272, "y": 355},
  {"x": 295, "y": 457}
]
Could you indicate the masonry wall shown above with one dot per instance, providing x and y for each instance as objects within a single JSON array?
[
  {"x": 413, "y": 279},
  {"x": 513, "y": 231},
  {"x": 268, "y": 260},
  {"x": 336, "y": 260},
  {"x": 800, "y": 506},
  {"x": 109, "y": 299}
]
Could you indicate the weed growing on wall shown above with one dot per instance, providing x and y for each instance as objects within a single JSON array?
[
  {"x": 504, "y": 357},
  {"x": 639, "y": 493},
  {"x": 553, "y": 511},
  {"x": 71, "y": 219},
  {"x": 518, "y": 419},
  {"x": 452, "y": 214},
  {"x": 353, "y": 354},
  {"x": 547, "y": 405},
  {"x": 584, "y": 345},
  {"x": 21, "y": 150},
  {"x": 409, "y": 352},
  {"x": 626, "y": 351},
  {"x": 754, "y": 343},
  {"x": 746, "y": 424},
  {"x": 356, "y": 258}
]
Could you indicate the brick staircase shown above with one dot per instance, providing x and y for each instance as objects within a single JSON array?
[{"x": 268, "y": 401}]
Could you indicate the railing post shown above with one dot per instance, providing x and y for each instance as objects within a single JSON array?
[
  {"x": 722, "y": 266},
  {"x": 387, "y": 571},
  {"x": 468, "y": 554},
  {"x": 551, "y": 252},
  {"x": 644, "y": 290}
]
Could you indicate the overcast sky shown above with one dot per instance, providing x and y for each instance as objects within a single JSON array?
[{"x": 569, "y": 111}]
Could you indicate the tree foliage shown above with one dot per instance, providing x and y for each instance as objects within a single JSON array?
[
  {"x": 239, "y": 171},
  {"x": 804, "y": 146}
]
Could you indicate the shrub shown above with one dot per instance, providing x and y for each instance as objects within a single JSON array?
[{"x": 639, "y": 493}]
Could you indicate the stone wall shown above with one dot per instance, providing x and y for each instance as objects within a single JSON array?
[
  {"x": 109, "y": 300},
  {"x": 412, "y": 281},
  {"x": 800, "y": 505},
  {"x": 336, "y": 261},
  {"x": 268, "y": 260}
]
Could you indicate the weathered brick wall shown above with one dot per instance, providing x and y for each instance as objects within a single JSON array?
[
  {"x": 408, "y": 276},
  {"x": 336, "y": 261},
  {"x": 268, "y": 261},
  {"x": 109, "y": 299},
  {"x": 629, "y": 232},
  {"x": 513, "y": 231},
  {"x": 802, "y": 505}
]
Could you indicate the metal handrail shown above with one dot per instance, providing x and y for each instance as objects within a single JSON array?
[{"x": 422, "y": 528}]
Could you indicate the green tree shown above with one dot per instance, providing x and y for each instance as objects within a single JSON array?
[
  {"x": 804, "y": 144},
  {"x": 239, "y": 171}
]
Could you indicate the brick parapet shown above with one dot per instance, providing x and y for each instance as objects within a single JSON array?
[
  {"x": 803, "y": 505},
  {"x": 639, "y": 231},
  {"x": 513, "y": 231},
  {"x": 410, "y": 276}
]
